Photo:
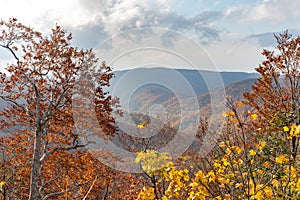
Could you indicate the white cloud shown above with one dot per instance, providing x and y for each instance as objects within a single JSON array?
[
  {"x": 92, "y": 21},
  {"x": 45, "y": 14},
  {"x": 270, "y": 11}
]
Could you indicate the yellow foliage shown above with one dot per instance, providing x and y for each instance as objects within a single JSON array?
[
  {"x": 146, "y": 194},
  {"x": 252, "y": 152},
  {"x": 294, "y": 131},
  {"x": 253, "y": 116},
  {"x": 245, "y": 174},
  {"x": 228, "y": 114},
  {"x": 282, "y": 159},
  {"x": 142, "y": 125}
]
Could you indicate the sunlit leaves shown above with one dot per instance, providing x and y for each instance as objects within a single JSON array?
[
  {"x": 253, "y": 116},
  {"x": 151, "y": 161},
  {"x": 142, "y": 125}
]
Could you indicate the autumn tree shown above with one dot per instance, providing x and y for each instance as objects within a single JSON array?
[
  {"x": 257, "y": 156},
  {"x": 276, "y": 94},
  {"x": 38, "y": 89}
]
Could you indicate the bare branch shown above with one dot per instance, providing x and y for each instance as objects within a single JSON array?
[
  {"x": 76, "y": 187},
  {"x": 76, "y": 146}
]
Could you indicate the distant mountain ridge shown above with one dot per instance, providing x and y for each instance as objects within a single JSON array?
[
  {"x": 199, "y": 80},
  {"x": 171, "y": 112}
]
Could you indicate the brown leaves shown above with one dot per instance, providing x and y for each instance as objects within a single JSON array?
[
  {"x": 277, "y": 90},
  {"x": 39, "y": 90}
]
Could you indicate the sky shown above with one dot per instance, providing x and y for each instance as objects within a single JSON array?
[{"x": 223, "y": 35}]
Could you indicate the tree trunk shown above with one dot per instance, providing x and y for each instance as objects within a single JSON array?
[{"x": 36, "y": 164}]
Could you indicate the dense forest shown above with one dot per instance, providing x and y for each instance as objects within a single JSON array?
[{"x": 256, "y": 155}]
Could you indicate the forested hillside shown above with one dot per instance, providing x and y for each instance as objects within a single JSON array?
[{"x": 67, "y": 137}]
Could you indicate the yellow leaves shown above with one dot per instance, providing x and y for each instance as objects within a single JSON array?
[
  {"x": 268, "y": 191},
  {"x": 298, "y": 185},
  {"x": 228, "y": 114},
  {"x": 2, "y": 184},
  {"x": 193, "y": 184},
  {"x": 202, "y": 192},
  {"x": 217, "y": 164},
  {"x": 290, "y": 171},
  {"x": 146, "y": 194},
  {"x": 225, "y": 174},
  {"x": 239, "y": 104},
  {"x": 294, "y": 131},
  {"x": 253, "y": 116},
  {"x": 227, "y": 197},
  {"x": 221, "y": 169},
  {"x": 275, "y": 183},
  {"x": 238, "y": 185},
  {"x": 223, "y": 180},
  {"x": 233, "y": 120},
  {"x": 152, "y": 161},
  {"x": 262, "y": 144},
  {"x": 259, "y": 195},
  {"x": 251, "y": 187},
  {"x": 282, "y": 159},
  {"x": 240, "y": 161},
  {"x": 142, "y": 125},
  {"x": 252, "y": 152},
  {"x": 200, "y": 175},
  {"x": 286, "y": 129},
  {"x": 200, "y": 195},
  {"x": 224, "y": 144},
  {"x": 218, "y": 198},
  {"x": 227, "y": 151},
  {"x": 225, "y": 162},
  {"x": 237, "y": 149},
  {"x": 184, "y": 174},
  {"x": 211, "y": 176}
]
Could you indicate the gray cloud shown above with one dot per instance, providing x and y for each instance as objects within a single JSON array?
[
  {"x": 268, "y": 39},
  {"x": 88, "y": 36},
  {"x": 263, "y": 39},
  {"x": 115, "y": 17}
]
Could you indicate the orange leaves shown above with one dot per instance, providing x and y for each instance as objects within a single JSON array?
[
  {"x": 15, "y": 48},
  {"x": 275, "y": 91},
  {"x": 44, "y": 76},
  {"x": 69, "y": 37}
]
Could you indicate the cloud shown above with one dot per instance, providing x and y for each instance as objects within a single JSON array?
[
  {"x": 267, "y": 11},
  {"x": 103, "y": 18},
  {"x": 276, "y": 10},
  {"x": 268, "y": 39},
  {"x": 88, "y": 36},
  {"x": 124, "y": 15},
  {"x": 263, "y": 39}
]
